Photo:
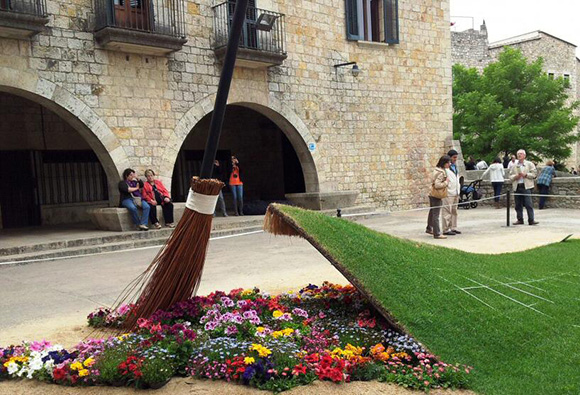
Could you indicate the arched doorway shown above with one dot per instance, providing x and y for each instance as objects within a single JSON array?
[
  {"x": 49, "y": 173},
  {"x": 270, "y": 165}
]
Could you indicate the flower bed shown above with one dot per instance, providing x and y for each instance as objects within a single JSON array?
[{"x": 245, "y": 336}]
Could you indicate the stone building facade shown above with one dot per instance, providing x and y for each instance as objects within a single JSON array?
[
  {"x": 471, "y": 48},
  {"x": 124, "y": 98}
]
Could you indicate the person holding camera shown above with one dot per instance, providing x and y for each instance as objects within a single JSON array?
[
  {"x": 237, "y": 186},
  {"x": 155, "y": 193},
  {"x": 132, "y": 199}
]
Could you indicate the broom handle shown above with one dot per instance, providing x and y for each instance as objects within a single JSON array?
[{"x": 217, "y": 118}]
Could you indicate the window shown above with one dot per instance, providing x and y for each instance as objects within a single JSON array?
[{"x": 372, "y": 20}]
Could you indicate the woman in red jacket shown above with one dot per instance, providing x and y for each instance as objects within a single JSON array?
[{"x": 155, "y": 193}]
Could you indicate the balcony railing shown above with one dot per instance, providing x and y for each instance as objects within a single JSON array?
[
  {"x": 134, "y": 25},
  {"x": 263, "y": 36},
  {"x": 22, "y": 18}
]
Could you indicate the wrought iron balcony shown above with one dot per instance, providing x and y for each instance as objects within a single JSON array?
[
  {"x": 22, "y": 18},
  {"x": 153, "y": 27},
  {"x": 263, "y": 36}
]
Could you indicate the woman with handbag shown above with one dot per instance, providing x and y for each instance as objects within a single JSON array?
[
  {"x": 438, "y": 191},
  {"x": 131, "y": 198},
  {"x": 155, "y": 193}
]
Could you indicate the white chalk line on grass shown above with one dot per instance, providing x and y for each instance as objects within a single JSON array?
[
  {"x": 117, "y": 251},
  {"x": 517, "y": 289},
  {"x": 507, "y": 297},
  {"x": 469, "y": 293}
]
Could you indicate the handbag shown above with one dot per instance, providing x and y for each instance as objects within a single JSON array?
[
  {"x": 438, "y": 193},
  {"x": 137, "y": 201}
]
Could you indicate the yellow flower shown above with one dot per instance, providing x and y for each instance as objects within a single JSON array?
[
  {"x": 83, "y": 372},
  {"x": 89, "y": 362},
  {"x": 123, "y": 336},
  {"x": 277, "y": 314},
  {"x": 247, "y": 292},
  {"x": 262, "y": 351},
  {"x": 249, "y": 360},
  {"x": 15, "y": 360},
  {"x": 277, "y": 334},
  {"x": 76, "y": 366},
  {"x": 353, "y": 349},
  {"x": 288, "y": 331},
  {"x": 260, "y": 329}
]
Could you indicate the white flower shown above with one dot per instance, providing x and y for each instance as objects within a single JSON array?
[{"x": 12, "y": 368}]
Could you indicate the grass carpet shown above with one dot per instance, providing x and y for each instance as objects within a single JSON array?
[{"x": 514, "y": 317}]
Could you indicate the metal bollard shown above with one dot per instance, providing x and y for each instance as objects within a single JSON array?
[
  {"x": 338, "y": 213},
  {"x": 508, "y": 204}
]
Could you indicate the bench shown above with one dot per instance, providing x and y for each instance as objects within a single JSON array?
[{"x": 118, "y": 219}]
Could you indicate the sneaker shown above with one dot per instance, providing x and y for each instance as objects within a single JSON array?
[
  {"x": 143, "y": 227},
  {"x": 429, "y": 231},
  {"x": 225, "y": 214},
  {"x": 170, "y": 225},
  {"x": 449, "y": 233},
  {"x": 534, "y": 223},
  {"x": 519, "y": 223},
  {"x": 456, "y": 231},
  {"x": 157, "y": 225},
  {"x": 439, "y": 237}
]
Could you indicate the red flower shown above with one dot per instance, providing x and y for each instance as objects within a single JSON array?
[
  {"x": 299, "y": 369},
  {"x": 59, "y": 374}
]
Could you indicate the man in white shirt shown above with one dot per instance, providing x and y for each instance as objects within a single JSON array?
[
  {"x": 512, "y": 162},
  {"x": 522, "y": 176},
  {"x": 481, "y": 165},
  {"x": 449, "y": 204}
]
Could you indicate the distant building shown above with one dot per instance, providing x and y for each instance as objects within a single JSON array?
[{"x": 472, "y": 49}]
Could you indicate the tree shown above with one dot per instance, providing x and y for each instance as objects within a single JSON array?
[{"x": 512, "y": 105}]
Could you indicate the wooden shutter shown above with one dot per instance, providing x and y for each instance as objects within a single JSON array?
[
  {"x": 353, "y": 19},
  {"x": 391, "y": 8}
]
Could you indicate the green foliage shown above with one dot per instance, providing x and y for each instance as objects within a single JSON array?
[
  {"x": 512, "y": 105},
  {"x": 108, "y": 365},
  {"x": 157, "y": 371}
]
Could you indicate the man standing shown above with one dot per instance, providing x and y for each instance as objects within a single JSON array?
[
  {"x": 522, "y": 176},
  {"x": 449, "y": 203}
]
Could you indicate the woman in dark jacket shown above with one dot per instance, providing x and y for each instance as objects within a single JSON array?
[{"x": 130, "y": 189}]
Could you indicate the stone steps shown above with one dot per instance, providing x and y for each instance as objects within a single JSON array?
[
  {"x": 95, "y": 247},
  {"x": 119, "y": 241}
]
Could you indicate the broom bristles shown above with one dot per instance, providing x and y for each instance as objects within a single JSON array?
[
  {"x": 275, "y": 223},
  {"x": 175, "y": 273}
]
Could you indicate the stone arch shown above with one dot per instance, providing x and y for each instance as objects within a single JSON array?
[
  {"x": 288, "y": 122},
  {"x": 77, "y": 114}
]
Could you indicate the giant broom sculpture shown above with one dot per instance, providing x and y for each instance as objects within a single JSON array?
[{"x": 175, "y": 272}]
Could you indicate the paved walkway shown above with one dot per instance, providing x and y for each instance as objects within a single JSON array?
[{"x": 55, "y": 233}]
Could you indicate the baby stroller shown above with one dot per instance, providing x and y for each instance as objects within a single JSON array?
[{"x": 469, "y": 194}]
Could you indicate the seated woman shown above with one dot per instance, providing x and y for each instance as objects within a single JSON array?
[
  {"x": 155, "y": 193},
  {"x": 132, "y": 199}
]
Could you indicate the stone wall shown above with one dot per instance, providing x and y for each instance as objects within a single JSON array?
[
  {"x": 470, "y": 48},
  {"x": 379, "y": 133},
  {"x": 25, "y": 125},
  {"x": 565, "y": 186}
]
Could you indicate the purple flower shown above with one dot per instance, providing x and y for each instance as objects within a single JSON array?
[
  {"x": 285, "y": 317},
  {"x": 242, "y": 303},
  {"x": 250, "y": 314},
  {"x": 256, "y": 321},
  {"x": 300, "y": 312},
  {"x": 231, "y": 330},
  {"x": 227, "y": 301},
  {"x": 210, "y": 326}
]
